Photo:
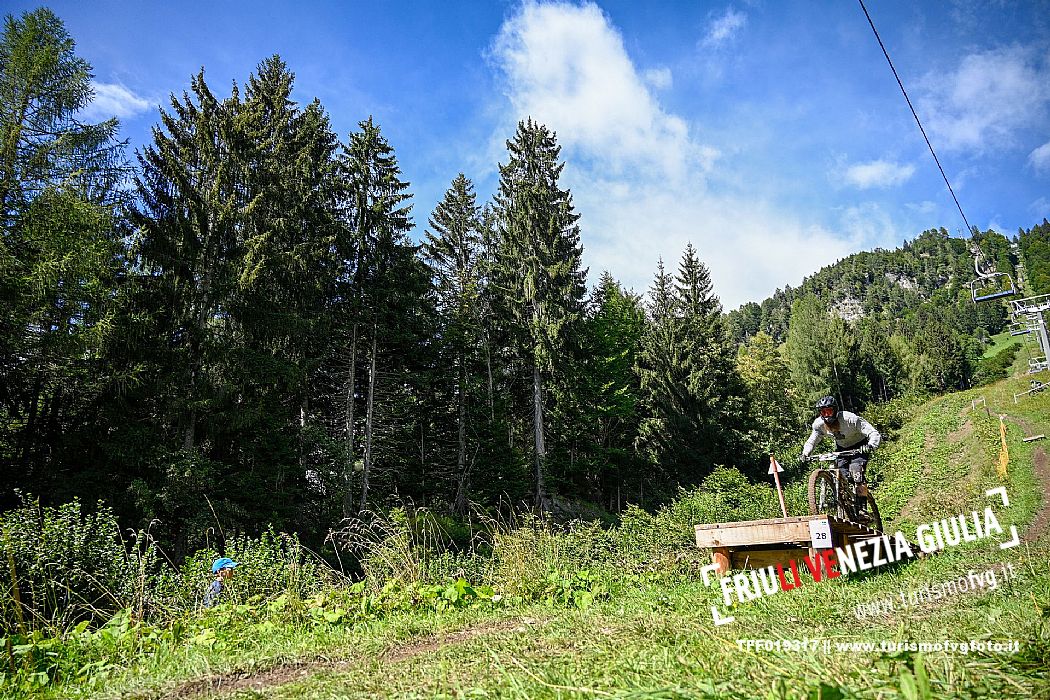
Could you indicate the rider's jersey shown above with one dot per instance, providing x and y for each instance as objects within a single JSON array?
[{"x": 851, "y": 431}]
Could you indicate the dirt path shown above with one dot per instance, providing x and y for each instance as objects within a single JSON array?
[
  {"x": 1041, "y": 522},
  {"x": 258, "y": 681}
]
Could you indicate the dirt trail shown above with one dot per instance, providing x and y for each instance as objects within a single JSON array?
[
  {"x": 1041, "y": 522},
  {"x": 228, "y": 683}
]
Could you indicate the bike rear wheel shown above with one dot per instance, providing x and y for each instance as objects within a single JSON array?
[{"x": 823, "y": 498}]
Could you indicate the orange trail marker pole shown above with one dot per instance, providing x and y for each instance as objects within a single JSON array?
[
  {"x": 1004, "y": 454},
  {"x": 775, "y": 469}
]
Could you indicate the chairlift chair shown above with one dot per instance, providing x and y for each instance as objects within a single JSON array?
[
  {"x": 989, "y": 280},
  {"x": 994, "y": 281}
]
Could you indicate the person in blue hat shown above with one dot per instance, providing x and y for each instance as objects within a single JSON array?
[{"x": 223, "y": 569}]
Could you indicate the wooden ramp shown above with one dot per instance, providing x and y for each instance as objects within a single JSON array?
[{"x": 753, "y": 544}]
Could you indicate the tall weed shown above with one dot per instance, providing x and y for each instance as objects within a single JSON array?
[{"x": 63, "y": 564}]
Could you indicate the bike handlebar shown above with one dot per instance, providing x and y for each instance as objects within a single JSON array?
[{"x": 832, "y": 456}]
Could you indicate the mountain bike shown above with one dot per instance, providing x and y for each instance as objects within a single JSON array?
[{"x": 832, "y": 493}]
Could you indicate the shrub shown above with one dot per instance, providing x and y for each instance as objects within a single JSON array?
[
  {"x": 996, "y": 367},
  {"x": 272, "y": 564},
  {"x": 63, "y": 565}
]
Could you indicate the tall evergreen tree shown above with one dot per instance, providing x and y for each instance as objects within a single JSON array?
[
  {"x": 61, "y": 253},
  {"x": 453, "y": 251},
  {"x": 235, "y": 246},
  {"x": 43, "y": 144},
  {"x": 541, "y": 270},
  {"x": 609, "y": 391},
  {"x": 662, "y": 374},
  {"x": 386, "y": 284},
  {"x": 693, "y": 394}
]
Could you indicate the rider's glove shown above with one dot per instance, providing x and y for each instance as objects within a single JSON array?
[
  {"x": 865, "y": 449},
  {"x": 804, "y": 458}
]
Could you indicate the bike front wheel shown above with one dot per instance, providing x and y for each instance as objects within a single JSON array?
[{"x": 823, "y": 498}]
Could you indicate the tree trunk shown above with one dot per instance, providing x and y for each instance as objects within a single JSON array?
[
  {"x": 368, "y": 421},
  {"x": 200, "y": 318},
  {"x": 541, "y": 448},
  {"x": 189, "y": 435},
  {"x": 461, "y": 456},
  {"x": 29, "y": 429},
  {"x": 488, "y": 367},
  {"x": 348, "y": 475}
]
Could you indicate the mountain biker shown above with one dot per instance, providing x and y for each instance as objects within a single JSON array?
[{"x": 851, "y": 432}]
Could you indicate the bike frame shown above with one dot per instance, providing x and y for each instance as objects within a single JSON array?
[{"x": 842, "y": 485}]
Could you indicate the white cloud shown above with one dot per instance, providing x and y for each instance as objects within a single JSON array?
[
  {"x": 1040, "y": 157},
  {"x": 567, "y": 68},
  {"x": 659, "y": 78},
  {"x": 114, "y": 100},
  {"x": 724, "y": 28},
  {"x": 990, "y": 96},
  {"x": 637, "y": 173},
  {"x": 924, "y": 208},
  {"x": 878, "y": 173}
]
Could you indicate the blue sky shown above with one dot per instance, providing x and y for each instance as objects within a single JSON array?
[{"x": 769, "y": 133}]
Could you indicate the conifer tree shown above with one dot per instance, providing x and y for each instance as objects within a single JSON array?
[
  {"x": 453, "y": 249},
  {"x": 693, "y": 394},
  {"x": 541, "y": 273},
  {"x": 385, "y": 284},
  {"x": 61, "y": 251},
  {"x": 235, "y": 244},
  {"x": 609, "y": 390},
  {"x": 43, "y": 143}
]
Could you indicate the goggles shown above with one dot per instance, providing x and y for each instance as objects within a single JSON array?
[{"x": 827, "y": 412}]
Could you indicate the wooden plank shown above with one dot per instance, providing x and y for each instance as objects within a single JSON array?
[
  {"x": 738, "y": 534},
  {"x": 761, "y": 558},
  {"x": 767, "y": 521},
  {"x": 1034, "y": 437}
]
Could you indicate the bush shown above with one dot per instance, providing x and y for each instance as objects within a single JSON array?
[
  {"x": 997, "y": 366},
  {"x": 64, "y": 565},
  {"x": 273, "y": 564}
]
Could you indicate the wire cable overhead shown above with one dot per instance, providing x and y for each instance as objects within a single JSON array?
[{"x": 936, "y": 160}]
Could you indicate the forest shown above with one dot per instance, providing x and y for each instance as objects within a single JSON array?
[{"x": 246, "y": 323}]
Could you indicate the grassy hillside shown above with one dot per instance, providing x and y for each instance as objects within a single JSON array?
[
  {"x": 625, "y": 613},
  {"x": 1000, "y": 342}
]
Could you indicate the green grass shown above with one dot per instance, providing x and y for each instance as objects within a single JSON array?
[
  {"x": 999, "y": 342},
  {"x": 652, "y": 636}
]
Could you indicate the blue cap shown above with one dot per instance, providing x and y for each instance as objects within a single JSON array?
[{"x": 224, "y": 563}]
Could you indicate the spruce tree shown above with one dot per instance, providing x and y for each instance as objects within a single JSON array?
[
  {"x": 385, "y": 289},
  {"x": 689, "y": 377},
  {"x": 609, "y": 391},
  {"x": 541, "y": 273},
  {"x": 453, "y": 249},
  {"x": 235, "y": 231}
]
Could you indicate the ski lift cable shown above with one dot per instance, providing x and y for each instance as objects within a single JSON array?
[
  {"x": 916, "y": 115},
  {"x": 982, "y": 276}
]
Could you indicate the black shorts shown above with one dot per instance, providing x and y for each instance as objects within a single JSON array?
[{"x": 855, "y": 466}]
